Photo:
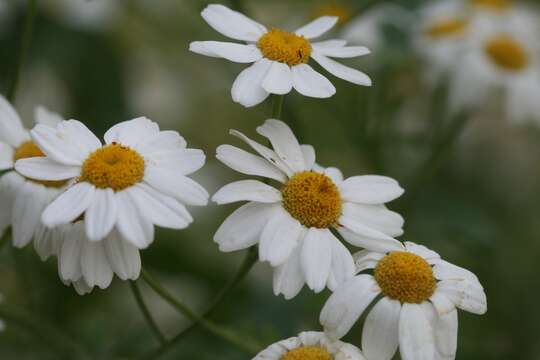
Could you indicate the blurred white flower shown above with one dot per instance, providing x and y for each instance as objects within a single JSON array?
[
  {"x": 418, "y": 309},
  {"x": 24, "y": 198},
  {"x": 292, "y": 224},
  {"x": 280, "y": 58},
  {"x": 138, "y": 179},
  {"x": 310, "y": 345}
]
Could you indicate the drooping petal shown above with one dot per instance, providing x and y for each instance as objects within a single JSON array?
[
  {"x": 246, "y": 190},
  {"x": 370, "y": 189},
  {"x": 380, "y": 337},
  {"x": 341, "y": 71},
  {"x": 342, "y": 267},
  {"x": 247, "y": 89},
  {"x": 317, "y": 27},
  {"x": 288, "y": 277},
  {"x": 316, "y": 258},
  {"x": 279, "y": 237},
  {"x": 416, "y": 336},
  {"x": 278, "y": 80},
  {"x": 69, "y": 205},
  {"x": 310, "y": 83},
  {"x": 43, "y": 168},
  {"x": 123, "y": 257},
  {"x": 30, "y": 201},
  {"x": 95, "y": 265},
  {"x": 445, "y": 329},
  {"x": 101, "y": 215},
  {"x": 239, "y": 53},
  {"x": 132, "y": 225},
  {"x": 69, "y": 258},
  {"x": 232, "y": 23}
]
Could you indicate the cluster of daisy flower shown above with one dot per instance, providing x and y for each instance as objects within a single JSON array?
[{"x": 95, "y": 204}]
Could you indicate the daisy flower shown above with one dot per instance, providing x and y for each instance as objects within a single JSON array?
[
  {"x": 310, "y": 345},
  {"x": 133, "y": 182},
  {"x": 417, "y": 310},
  {"x": 293, "y": 223},
  {"x": 280, "y": 58},
  {"x": 23, "y": 198},
  {"x": 85, "y": 263}
]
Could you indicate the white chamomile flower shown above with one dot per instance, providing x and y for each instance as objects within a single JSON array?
[
  {"x": 292, "y": 224},
  {"x": 85, "y": 263},
  {"x": 501, "y": 61},
  {"x": 133, "y": 182},
  {"x": 417, "y": 311},
  {"x": 310, "y": 345},
  {"x": 23, "y": 198},
  {"x": 280, "y": 58}
]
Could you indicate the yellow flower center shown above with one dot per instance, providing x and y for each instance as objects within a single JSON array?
[
  {"x": 29, "y": 150},
  {"x": 447, "y": 27},
  {"x": 307, "y": 353},
  {"x": 497, "y": 5},
  {"x": 113, "y": 166},
  {"x": 507, "y": 53},
  {"x": 340, "y": 10},
  {"x": 285, "y": 47},
  {"x": 406, "y": 277},
  {"x": 313, "y": 199}
]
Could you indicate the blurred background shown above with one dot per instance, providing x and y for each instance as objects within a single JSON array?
[{"x": 470, "y": 168}]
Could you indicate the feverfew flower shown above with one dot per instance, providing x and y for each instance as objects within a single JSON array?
[
  {"x": 292, "y": 224},
  {"x": 280, "y": 58},
  {"x": 24, "y": 198},
  {"x": 133, "y": 182},
  {"x": 310, "y": 345},
  {"x": 418, "y": 309}
]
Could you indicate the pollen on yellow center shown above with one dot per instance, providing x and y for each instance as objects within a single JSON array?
[
  {"x": 113, "y": 166},
  {"x": 313, "y": 199},
  {"x": 497, "y": 5},
  {"x": 307, "y": 353},
  {"x": 29, "y": 150},
  {"x": 406, "y": 277},
  {"x": 447, "y": 27},
  {"x": 507, "y": 53},
  {"x": 285, "y": 47}
]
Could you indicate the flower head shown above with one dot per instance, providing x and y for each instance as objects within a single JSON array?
[
  {"x": 138, "y": 179},
  {"x": 310, "y": 345},
  {"x": 417, "y": 311},
  {"x": 280, "y": 57},
  {"x": 293, "y": 222}
]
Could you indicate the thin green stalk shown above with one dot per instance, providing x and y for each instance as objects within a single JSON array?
[
  {"x": 44, "y": 331},
  {"x": 5, "y": 238},
  {"x": 23, "y": 49},
  {"x": 277, "y": 106},
  {"x": 146, "y": 313},
  {"x": 250, "y": 260},
  {"x": 208, "y": 325}
]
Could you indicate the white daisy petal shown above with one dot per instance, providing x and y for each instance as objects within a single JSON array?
[
  {"x": 247, "y": 163},
  {"x": 310, "y": 83},
  {"x": 278, "y": 80},
  {"x": 279, "y": 237},
  {"x": 347, "y": 304},
  {"x": 416, "y": 336},
  {"x": 341, "y": 51},
  {"x": 184, "y": 161},
  {"x": 247, "y": 89},
  {"x": 131, "y": 224},
  {"x": 380, "y": 336},
  {"x": 341, "y": 71},
  {"x": 30, "y": 201},
  {"x": 232, "y": 24},
  {"x": 288, "y": 277},
  {"x": 332, "y": 43},
  {"x": 69, "y": 258},
  {"x": 239, "y": 53},
  {"x": 421, "y": 251},
  {"x": 100, "y": 216},
  {"x": 370, "y": 239},
  {"x": 443, "y": 270},
  {"x": 43, "y": 168},
  {"x": 246, "y": 190},
  {"x": 11, "y": 128},
  {"x": 46, "y": 117},
  {"x": 445, "y": 329},
  {"x": 180, "y": 187},
  {"x": 335, "y": 174},
  {"x": 243, "y": 227},
  {"x": 6, "y": 156},
  {"x": 316, "y": 258},
  {"x": 309, "y": 155},
  {"x": 124, "y": 258},
  {"x": 442, "y": 303},
  {"x": 375, "y": 217},
  {"x": 162, "y": 141},
  {"x": 467, "y": 295},
  {"x": 284, "y": 143},
  {"x": 69, "y": 205},
  {"x": 132, "y": 132},
  {"x": 370, "y": 189},
  {"x": 367, "y": 259},
  {"x": 317, "y": 27},
  {"x": 95, "y": 265},
  {"x": 342, "y": 268}
]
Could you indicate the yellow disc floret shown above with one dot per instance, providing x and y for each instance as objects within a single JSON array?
[
  {"x": 113, "y": 166},
  {"x": 285, "y": 47},
  {"x": 447, "y": 27},
  {"x": 29, "y": 150},
  {"x": 307, "y": 353},
  {"x": 313, "y": 199},
  {"x": 406, "y": 277},
  {"x": 507, "y": 53},
  {"x": 497, "y": 5}
]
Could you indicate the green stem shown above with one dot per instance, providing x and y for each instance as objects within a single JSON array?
[
  {"x": 5, "y": 238},
  {"x": 250, "y": 260},
  {"x": 23, "y": 49},
  {"x": 208, "y": 325},
  {"x": 43, "y": 330},
  {"x": 146, "y": 312},
  {"x": 277, "y": 106}
]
